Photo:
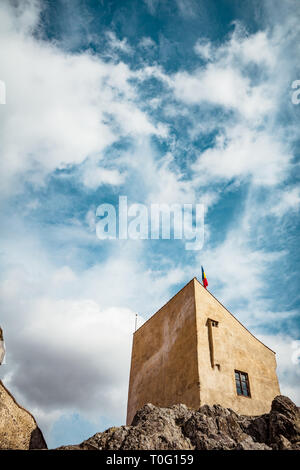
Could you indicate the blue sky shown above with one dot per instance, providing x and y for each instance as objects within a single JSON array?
[{"x": 179, "y": 101}]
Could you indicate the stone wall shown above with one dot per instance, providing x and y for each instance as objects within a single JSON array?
[
  {"x": 172, "y": 358},
  {"x": 18, "y": 428},
  {"x": 234, "y": 348},
  {"x": 164, "y": 356}
]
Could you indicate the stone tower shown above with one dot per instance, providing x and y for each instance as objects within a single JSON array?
[{"x": 194, "y": 351}]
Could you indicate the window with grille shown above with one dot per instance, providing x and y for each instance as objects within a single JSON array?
[{"x": 242, "y": 383}]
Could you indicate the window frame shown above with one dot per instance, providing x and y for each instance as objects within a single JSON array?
[{"x": 239, "y": 383}]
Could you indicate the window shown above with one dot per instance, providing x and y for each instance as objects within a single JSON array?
[
  {"x": 214, "y": 323},
  {"x": 242, "y": 383}
]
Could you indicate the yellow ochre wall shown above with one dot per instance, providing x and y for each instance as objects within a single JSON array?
[
  {"x": 164, "y": 367},
  {"x": 234, "y": 348},
  {"x": 171, "y": 360}
]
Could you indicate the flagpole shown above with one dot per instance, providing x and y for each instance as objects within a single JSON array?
[{"x": 135, "y": 322}]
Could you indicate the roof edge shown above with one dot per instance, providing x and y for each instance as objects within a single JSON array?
[
  {"x": 235, "y": 317},
  {"x": 157, "y": 311},
  {"x": 193, "y": 279}
]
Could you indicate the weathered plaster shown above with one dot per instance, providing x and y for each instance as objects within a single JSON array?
[{"x": 173, "y": 362}]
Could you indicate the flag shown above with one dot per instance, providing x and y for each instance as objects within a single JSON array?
[{"x": 204, "y": 280}]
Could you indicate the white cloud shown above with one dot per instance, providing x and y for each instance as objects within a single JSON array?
[
  {"x": 90, "y": 219},
  {"x": 236, "y": 76},
  {"x": 187, "y": 8},
  {"x": 237, "y": 268},
  {"x": 227, "y": 81},
  {"x": 95, "y": 176},
  {"x": 223, "y": 85},
  {"x": 203, "y": 48},
  {"x": 118, "y": 44},
  {"x": 71, "y": 355},
  {"x": 32, "y": 205},
  {"x": 64, "y": 274},
  {"x": 288, "y": 372},
  {"x": 247, "y": 49},
  {"x": 152, "y": 5},
  {"x": 147, "y": 42},
  {"x": 68, "y": 332},
  {"x": 248, "y": 86},
  {"x": 240, "y": 153},
  {"x": 154, "y": 71},
  {"x": 60, "y": 107},
  {"x": 163, "y": 181},
  {"x": 288, "y": 200}
]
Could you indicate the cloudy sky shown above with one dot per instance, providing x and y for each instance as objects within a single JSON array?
[{"x": 164, "y": 101}]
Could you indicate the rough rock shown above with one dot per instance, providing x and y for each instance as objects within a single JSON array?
[
  {"x": 210, "y": 427},
  {"x": 284, "y": 426},
  {"x": 18, "y": 428}
]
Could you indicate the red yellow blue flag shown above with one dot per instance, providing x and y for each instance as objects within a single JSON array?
[{"x": 204, "y": 280}]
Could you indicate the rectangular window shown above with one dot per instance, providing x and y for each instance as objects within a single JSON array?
[{"x": 242, "y": 383}]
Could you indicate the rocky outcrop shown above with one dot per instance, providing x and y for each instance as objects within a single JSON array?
[
  {"x": 210, "y": 427},
  {"x": 18, "y": 428},
  {"x": 284, "y": 424}
]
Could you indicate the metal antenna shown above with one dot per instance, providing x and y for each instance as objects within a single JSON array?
[{"x": 135, "y": 322}]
